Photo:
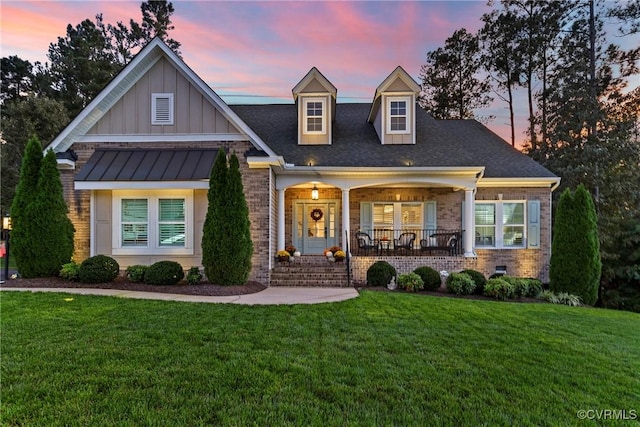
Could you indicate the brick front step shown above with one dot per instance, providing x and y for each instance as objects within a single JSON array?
[{"x": 309, "y": 271}]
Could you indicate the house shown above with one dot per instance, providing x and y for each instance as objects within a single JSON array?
[{"x": 135, "y": 165}]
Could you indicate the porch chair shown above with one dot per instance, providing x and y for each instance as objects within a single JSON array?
[
  {"x": 366, "y": 243},
  {"x": 404, "y": 241}
]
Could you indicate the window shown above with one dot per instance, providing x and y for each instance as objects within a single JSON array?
[
  {"x": 398, "y": 115},
  {"x": 171, "y": 223},
  {"x": 135, "y": 222},
  {"x": 500, "y": 224},
  {"x": 314, "y": 115},
  {"x": 153, "y": 222},
  {"x": 162, "y": 109},
  {"x": 398, "y": 216}
]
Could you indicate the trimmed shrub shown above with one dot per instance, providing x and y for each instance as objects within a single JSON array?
[
  {"x": 70, "y": 271},
  {"x": 380, "y": 273},
  {"x": 136, "y": 273},
  {"x": 430, "y": 277},
  {"x": 194, "y": 276},
  {"x": 460, "y": 284},
  {"x": 535, "y": 287},
  {"x": 498, "y": 288},
  {"x": 164, "y": 273},
  {"x": 98, "y": 269},
  {"x": 478, "y": 278},
  {"x": 227, "y": 221},
  {"x": 575, "y": 264},
  {"x": 411, "y": 282}
]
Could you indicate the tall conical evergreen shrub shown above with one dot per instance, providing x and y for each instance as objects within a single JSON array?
[
  {"x": 23, "y": 240},
  {"x": 239, "y": 245},
  {"x": 214, "y": 234},
  {"x": 48, "y": 217},
  {"x": 226, "y": 241},
  {"x": 575, "y": 250}
]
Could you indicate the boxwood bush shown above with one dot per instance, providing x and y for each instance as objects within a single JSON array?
[
  {"x": 165, "y": 273},
  {"x": 135, "y": 273},
  {"x": 478, "y": 278},
  {"x": 498, "y": 288},
  {"x": 98, "y": 269},
  {"x": 430, "y": 277},
  {"x": 380, "y": 273},
  {"x": 460, "y": 284}
]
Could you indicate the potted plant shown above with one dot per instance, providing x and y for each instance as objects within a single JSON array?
[
  {"x": 339, "y": 256},
  {"x": 291, "y": 249},
  {"x": 282, "y": 255}
]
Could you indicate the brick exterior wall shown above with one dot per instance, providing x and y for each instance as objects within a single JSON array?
[{"x": 256, "y": 184}]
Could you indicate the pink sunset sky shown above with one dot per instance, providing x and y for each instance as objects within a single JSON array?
[{"x": 256, "y": 52}]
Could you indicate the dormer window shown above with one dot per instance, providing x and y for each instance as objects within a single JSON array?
[
  {"x": 314, "y": 115},
  {"x": 398, "y": 114},
  {"x": 162, "y": 109}
]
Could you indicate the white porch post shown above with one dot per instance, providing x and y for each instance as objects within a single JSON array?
[
  {"x": 280, "y": 219},
  {"x": 469, "y": 216},
  {"x": 345, "y": 218}
]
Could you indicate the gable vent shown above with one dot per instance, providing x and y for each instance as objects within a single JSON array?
[{"x": 162, "y": 109}]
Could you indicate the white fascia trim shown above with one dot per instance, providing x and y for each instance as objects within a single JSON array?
[
  {"x": 140, "y": 185},
  {"x": 66, "y": 164},
  {"x": 259, "y": 162},
  {"x": 552, "y": 183},
  {"x": 93, "y": 112},
  {"x": 176, "y": 137},
  {"x": 398, "y": 170}
]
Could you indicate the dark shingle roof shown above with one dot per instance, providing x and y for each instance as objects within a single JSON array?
[
  {"x": 356, "y": 144},
  {"x": 148, "y": 165}
]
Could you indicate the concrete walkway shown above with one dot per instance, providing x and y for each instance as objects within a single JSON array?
[{"x": 269, "y": 296}]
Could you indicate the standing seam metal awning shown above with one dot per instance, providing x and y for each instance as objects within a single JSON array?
[{"x": 137, "y": 168}]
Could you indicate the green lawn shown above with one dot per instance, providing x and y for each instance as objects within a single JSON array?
[{"x": 381, "y": 359}]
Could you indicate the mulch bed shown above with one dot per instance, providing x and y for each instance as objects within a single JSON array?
[{"x": 122, "y": 283}]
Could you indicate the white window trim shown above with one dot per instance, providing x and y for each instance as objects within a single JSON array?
[
  {"x": 306, "y": 131},
  {"x": 499, "y": 233},
  {"x": 152, "y": 248},
  {"x": 407, "y": 100},
  {"x": 154, "y": 113}
]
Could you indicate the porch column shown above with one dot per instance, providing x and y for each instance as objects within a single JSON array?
[
  {"x": 345, "y": 218},
  {"x": 280, "y": 219},
  {"x": 469, "y": 216}
]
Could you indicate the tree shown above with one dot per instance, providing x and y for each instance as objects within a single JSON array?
[
  {"x": 52, "y": 228},
  {"x": 21, "y": 117},
  {"x": 451, "y": 87},
  {"x": 23, "y": 239},
  {"x": 501, "y": 57},
  {"x": 575, "y": 252},
  {"x": 239, "y": 245},
  {"x": 215, "y": 231},
  {"x": 156, "y": 22},
  {"x": 17, "y": 77},
  {"x": 82, "y": 63}
]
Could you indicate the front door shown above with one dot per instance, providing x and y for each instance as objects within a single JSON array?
[{"x": 315, "y": 226}]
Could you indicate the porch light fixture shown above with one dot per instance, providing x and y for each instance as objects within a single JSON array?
[{"x": 314, "y": 193}]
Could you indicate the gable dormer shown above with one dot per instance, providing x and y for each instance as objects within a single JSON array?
[
  {"x": 393, "y": 110},
  {"x": 315, "y": 99}
]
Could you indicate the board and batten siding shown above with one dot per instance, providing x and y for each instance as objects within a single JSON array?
[{"x": 193, "y": 113}]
